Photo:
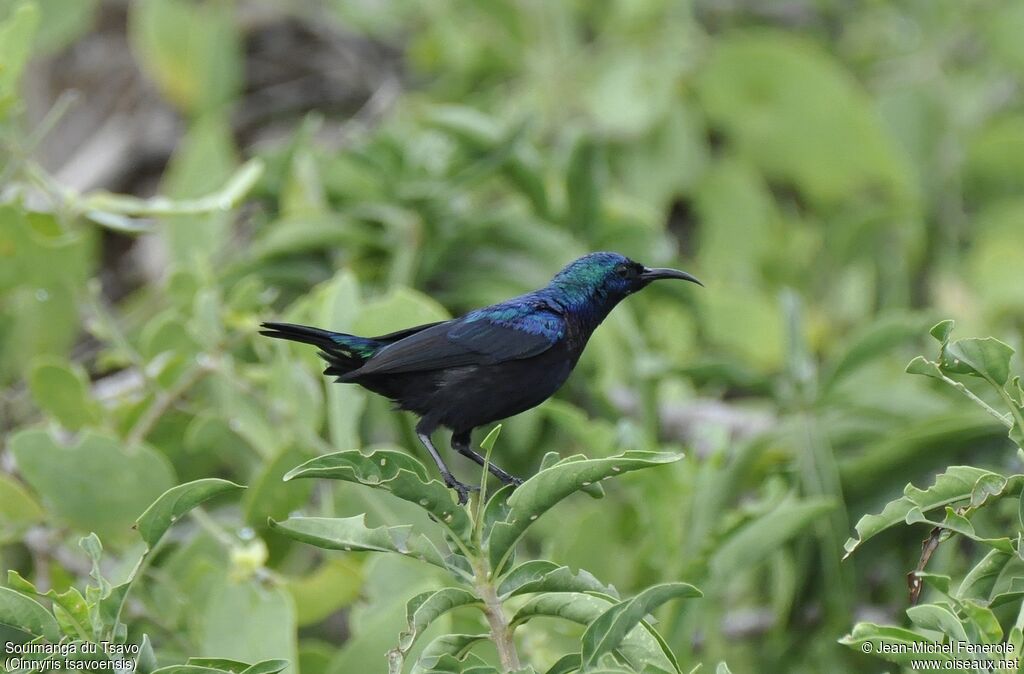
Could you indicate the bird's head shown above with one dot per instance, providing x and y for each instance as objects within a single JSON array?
[{"x": 610, "y": 277}]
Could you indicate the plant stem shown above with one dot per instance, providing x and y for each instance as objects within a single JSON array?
[
  {"x": 501, "y": 633},
  {"x": 1007, "y": 420}
]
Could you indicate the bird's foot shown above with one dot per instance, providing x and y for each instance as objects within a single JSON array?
[
  {"x": 460, "y": 488},
  {"x": 506, "y": 478}
]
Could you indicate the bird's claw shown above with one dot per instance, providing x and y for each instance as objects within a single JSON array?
[{"x": 460, "y": 488}]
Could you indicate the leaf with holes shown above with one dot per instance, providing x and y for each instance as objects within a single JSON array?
[
  {"x": 392, "y": 471},
  {"x": 542, "y": 491},
  {"x": 958, "y": 483},
  {"x": 351, "y": 533}
]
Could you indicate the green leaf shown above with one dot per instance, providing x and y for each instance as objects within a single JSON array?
[
  {"x": 450, "y": 664},
  {"x": 62, "y": 390},
  {"x": 16, "y": 35},
  {"x": 106, "y": 601},
  {"x": 745, "y": 323},
  {"x": 267, "y": 667},
  {"x": 755, "y": 540},
  {"x": 234, "y": 666},
  {"x": 447, "y": 653},
  {"x": 310, "y": 233},
  {"x": 1017, "y": 433},
  {"x": 956, "y": 484},
  {"x": 23, "y": 619},
  {"x": 542, "y": 491},
  {"x": 640, "y": 646},
  {"x": 268, "y": 495},
  {"x": 175, "y": 502},
  {"x": 43, "y": 269},
  {"x": 303, "y": 192},
  {"x": 957, "y": 523},
  {"x": 923, "y": 366},
  {"x": 145, "y": 661},
  {"x": 1020, "y": 508},
  {"x": 399, "y": 309},
  {"x": 189, "y": 669},
  {"x": 897, "y": 642},
  {"x": 191, "y": 50},
  {"x": 568, "y": 663},
  {"x": 759, "y": 88},
  {"x": 339, "y": 306},
  {"x": 937, "y": 580},
  {"x": 880, "y": 337},
  {"x": 606, "y": 633},
  {"x": 96, "y": 483},
  {"x": 1016, "y": 638},
  {"x": 986, "y": 357},
  {"x": 942, "y": 330},
  {"x": 351, "y": 533},
  {"x": 69, "y": 607},
  {"x": 985, "y": 626},
  {"x": 18, "y": 510},
  {"x": 544, "y": 576},
  {"x": 94, "y": 549},
  {"x": 480, "y": 135},
  {"x": 119, "y": 223},
  {"x": 223, "y": 664},
  {"x": 395, "y": 472},
  {"x": 195, "y": 222},
  {"x": 982, "y": 578},
  {"x": 487, "y": 444},
  {"x": 426, "y": 607},
  {"x": 267, "y": 632},
  {"x": 631, "y": 89},
  {"x": 938, "y": 618},
  {"x": 583, "y": 188},
  {"x": 559, "y": 414},
  {"x": 379, "y": 615},
  {"x": 334, "y": 584}
]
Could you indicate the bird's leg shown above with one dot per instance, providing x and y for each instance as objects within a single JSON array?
[
  {"x": 461, "y": 444},
  {"x": 449, "y": 479}
]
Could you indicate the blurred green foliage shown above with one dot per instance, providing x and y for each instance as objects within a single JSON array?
[{"x": 838, "y": 175}]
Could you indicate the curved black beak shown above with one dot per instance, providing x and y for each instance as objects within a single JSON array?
[{"x": 663, "y": 272}]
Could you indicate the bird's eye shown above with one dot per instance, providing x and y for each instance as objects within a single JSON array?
[{"x": 622, "y": 271}]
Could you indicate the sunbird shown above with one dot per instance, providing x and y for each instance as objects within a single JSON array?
[{"x": 489, "y": 364}]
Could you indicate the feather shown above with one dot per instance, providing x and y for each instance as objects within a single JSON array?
[{"x": 476, "y": 339}]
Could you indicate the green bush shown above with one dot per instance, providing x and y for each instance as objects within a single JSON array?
[
  {"x": 968, "y": 618},
  {"x": 839, "y": 175}
]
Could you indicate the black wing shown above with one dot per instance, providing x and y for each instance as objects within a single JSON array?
[
  {"x": 392, "y": 337},
  {"x": 471, "y": 340}
]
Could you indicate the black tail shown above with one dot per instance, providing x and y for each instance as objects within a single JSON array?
[
  {"x": 299, "y": 333},
  {"x": 335, "y": 347}
]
